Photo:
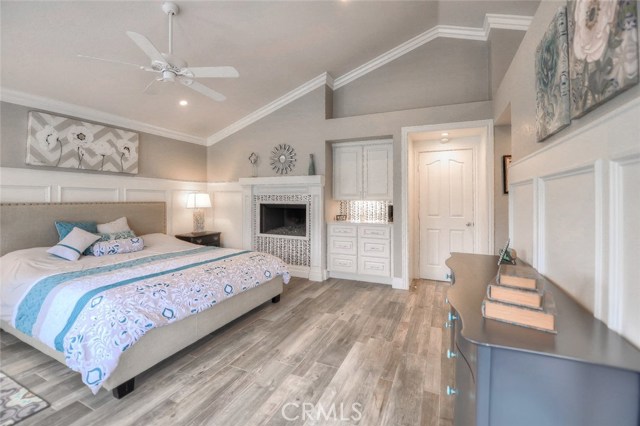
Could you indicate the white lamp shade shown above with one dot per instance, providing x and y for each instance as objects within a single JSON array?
[{"x": 198, "y": 201}]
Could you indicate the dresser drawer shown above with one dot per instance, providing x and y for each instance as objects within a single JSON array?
[
  {"x": 365, "y": 231},
  {"x": 343, "y": 230},
  {"x": 343, "y": 263},
  {"x": 374, "y": 248},
  {"x": 343, "y": 245},
  {"x": 373, "y": 266}
]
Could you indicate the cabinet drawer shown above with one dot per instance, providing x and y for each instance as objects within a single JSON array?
[
  {"x": 343, "y": 245},
  {"x": 374, "y": 231},
  {"x": 343, "y": 263},
  {"x": 374, "y": 248},
  {"x": 343, "y": 230},
  {"x": 373, "y": 266}
]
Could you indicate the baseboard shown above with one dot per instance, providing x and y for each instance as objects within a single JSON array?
[{"x": 361, "y": 277}]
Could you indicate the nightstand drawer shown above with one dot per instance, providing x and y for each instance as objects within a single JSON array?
[
  {"x": 343, "y": 245},
  {"x": 202, "y": 238}
]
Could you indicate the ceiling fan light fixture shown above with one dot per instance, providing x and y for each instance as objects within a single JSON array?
[
  {"x": 183, "y": 102},
  {"x": 168, "y": 76}
]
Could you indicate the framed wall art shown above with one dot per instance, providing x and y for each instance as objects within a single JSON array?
[
  {"x": 63, "y": 142},
  {"x": 552, "y": 78},
  {"x": 603, "y": 51},
  {"x": 506, "y": 163}
]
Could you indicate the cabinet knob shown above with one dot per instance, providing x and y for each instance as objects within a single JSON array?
[
  {"x": 469, "y": 224},
  {"x": 452, "y": 317},
  {"x": 451, "y": 391},
  {"x": 451, "y": 354}
]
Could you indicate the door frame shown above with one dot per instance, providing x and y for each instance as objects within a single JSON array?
[{"x": 483, "y": 187}]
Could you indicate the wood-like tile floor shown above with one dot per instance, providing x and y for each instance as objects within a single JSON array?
[{"x": 337, "y": 352}]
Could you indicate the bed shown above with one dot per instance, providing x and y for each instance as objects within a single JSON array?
[{"x": 27, "y": 229}]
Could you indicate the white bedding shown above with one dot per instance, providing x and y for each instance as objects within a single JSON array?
[{"x": 95, "y": 308}]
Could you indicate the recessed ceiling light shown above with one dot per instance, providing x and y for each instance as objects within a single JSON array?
[
  {"x": 183, "y": 103},
  {"x": 444, "y": 134},
  {"x": 444, "y": 140}
]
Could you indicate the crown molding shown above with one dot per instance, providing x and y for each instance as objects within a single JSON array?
[
  {"x": 319, "y": 81},
  {"x": 491, "y": 20},
  {"x": 85, "y": 113},
  {"x": 506, "y": 22}
]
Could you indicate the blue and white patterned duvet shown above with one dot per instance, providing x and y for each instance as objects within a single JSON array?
[{"x": 95, "y": 314}]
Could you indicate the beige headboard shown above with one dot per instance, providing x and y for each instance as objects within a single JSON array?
[{"x": 25, "y": 225}]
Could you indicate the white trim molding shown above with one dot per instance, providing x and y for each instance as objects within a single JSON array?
[
  {"x": 86, "y": 113},
  {"x": 319, "y": 81},
  {"x": 497, "y": 21},
  {"x": 483, "y": 181}
]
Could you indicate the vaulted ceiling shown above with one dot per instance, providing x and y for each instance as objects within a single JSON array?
[{"x": 275, "y": 45}]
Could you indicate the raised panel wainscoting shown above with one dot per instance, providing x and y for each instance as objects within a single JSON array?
[
  {"x": 40, "y": 186},
  {"x": 574, "y": 215}
]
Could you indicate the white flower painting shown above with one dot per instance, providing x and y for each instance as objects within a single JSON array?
[
  {"x": 603, "y": 51},
  {"x": 63, "y": 142}
]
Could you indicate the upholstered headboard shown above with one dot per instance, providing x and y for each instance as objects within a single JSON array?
[{"x": 25, "y": 225}]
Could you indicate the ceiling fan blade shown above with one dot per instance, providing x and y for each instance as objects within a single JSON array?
[
  {"x": 214, "y": 72},
  {"x": 201, "y": 88},
  {"x": 152, "y": 88},
  {"x": 114, "y": 61},
  {"x": 147, "y": 47}
]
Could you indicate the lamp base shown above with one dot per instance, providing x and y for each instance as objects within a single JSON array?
[{"x": 198, "y": 220}]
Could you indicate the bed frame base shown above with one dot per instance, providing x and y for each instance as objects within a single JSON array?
[
  {"x": 124, "y": 389},
  {"x": 275, "y": 299}
]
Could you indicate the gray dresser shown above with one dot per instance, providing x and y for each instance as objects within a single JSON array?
[{"x": 507, "y": 375}]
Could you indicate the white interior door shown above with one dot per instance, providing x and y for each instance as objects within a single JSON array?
[{"x": 445, "y": 208}]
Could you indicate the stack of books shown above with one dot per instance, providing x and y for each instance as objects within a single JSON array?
[{"x": 516, "y": 296}]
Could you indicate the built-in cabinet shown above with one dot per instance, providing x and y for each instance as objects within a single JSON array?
[
  {"x": 363, "y": 171},
  {"x": 359, "y": 251}
]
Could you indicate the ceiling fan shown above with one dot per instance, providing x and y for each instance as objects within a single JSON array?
[{"x": 170, "y": 67}]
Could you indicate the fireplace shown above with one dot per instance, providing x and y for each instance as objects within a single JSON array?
[
  {"x": 284, "y": 216},
  {"x": 288, "y": 220}
]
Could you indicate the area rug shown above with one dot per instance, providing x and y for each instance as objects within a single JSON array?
[{"x": 17, "y": 402}]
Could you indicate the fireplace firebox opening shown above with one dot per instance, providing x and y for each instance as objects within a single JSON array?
[{"x": 283, "y": 219}]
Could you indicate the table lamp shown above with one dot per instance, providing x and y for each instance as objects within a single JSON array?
[{"x": 198, "y": 201}]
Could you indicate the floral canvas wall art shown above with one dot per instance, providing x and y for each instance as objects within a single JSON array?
[
  {"x": 603, "y": 51},
  {"x": 552, "y": 78},
  {"x": 72, "y": 144}
]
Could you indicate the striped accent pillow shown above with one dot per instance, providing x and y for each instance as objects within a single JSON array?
[{"x": 72, "y": 246}]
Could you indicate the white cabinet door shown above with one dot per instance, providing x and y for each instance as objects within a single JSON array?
[
  {"x": 378, "y": 172},
  {"x": 347, "y": 172}
]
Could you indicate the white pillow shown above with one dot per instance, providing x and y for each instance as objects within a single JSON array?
[
  {"x": 72, "y": 246},
  {"x": 118, "y": 225}
]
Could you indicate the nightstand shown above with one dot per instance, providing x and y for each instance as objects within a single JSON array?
[{"x": 205, "y": 238}]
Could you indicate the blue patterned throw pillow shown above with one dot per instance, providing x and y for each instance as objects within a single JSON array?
[
  {"x": 64, "y": 227},
  {"x": 126, "y": 245},
  {"x": 109, "y": 237}
]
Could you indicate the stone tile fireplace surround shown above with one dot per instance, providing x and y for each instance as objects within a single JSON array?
[{"x": 304, "y": 254}]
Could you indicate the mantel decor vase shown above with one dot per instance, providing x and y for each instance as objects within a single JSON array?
[{"x": 312, "y": 166}]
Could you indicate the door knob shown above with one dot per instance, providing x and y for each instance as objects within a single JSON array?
[{"x": 469, "y": 224}]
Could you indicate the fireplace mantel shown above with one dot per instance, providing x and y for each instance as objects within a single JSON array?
[{"x": 312, "y": 188}]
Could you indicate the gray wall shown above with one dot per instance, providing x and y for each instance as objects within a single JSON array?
[
  {"x": 159, "y": 157},
  {"x": 444, "y": 71},
  {"x": 303, "y": 125},
  {"x": 518, "y": 90},
  {"x": 502, "y": 146}
]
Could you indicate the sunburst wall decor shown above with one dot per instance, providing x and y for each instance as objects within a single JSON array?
[{"x": 283, "y": 159}]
